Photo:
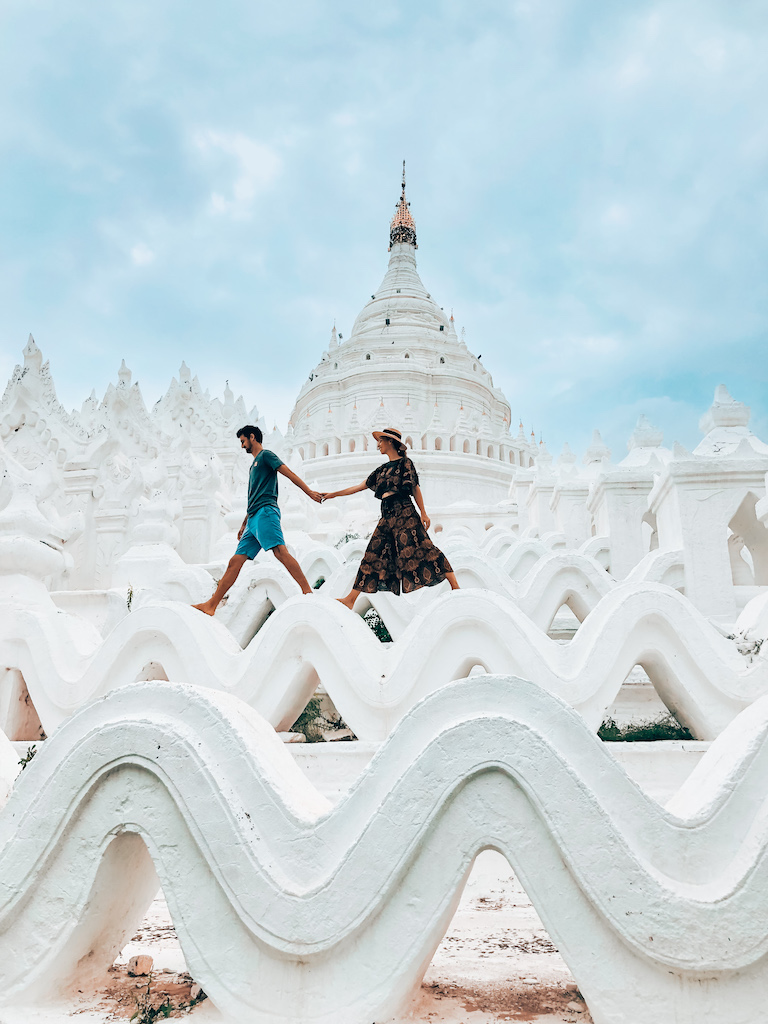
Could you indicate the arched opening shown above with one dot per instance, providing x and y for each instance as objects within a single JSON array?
[
  {"x": 489, "y": 453},
  {"x": 19, "y": 719},
  {"x": 325, "y": 449},
  {"x": 367, "y": 355},
  {"x": 512, "y": 457},
  {"x": 407, "y": 356},
  {"x": 409, "y": 442},
  {"x": 301, "y": 453},
  {"x": 442, "y": 358},
  {"x": 438, "y": 444},
  {"x": 351, "y": 446},
  {"x": 750, "y": 544},
  {"x": 650, "y": 536},
  {"x": 479, "y": 447},
  {"x": 647, "y": 705},
  {"x": 466, "y": 447}
]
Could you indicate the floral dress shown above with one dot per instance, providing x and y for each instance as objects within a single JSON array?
[{"x": 400, "y": 555}]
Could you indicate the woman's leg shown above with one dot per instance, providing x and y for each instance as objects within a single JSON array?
[
  {"x": 349, "y": 600},
  {"x": 377, "y": 566}
]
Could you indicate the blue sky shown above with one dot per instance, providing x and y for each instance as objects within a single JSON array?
[{"x": 214, "y": 182}]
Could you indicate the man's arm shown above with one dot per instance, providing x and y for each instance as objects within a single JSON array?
[{"x": 285, "y": 471}]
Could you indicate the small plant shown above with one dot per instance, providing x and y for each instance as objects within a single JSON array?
[
  {"x": 129, "y": 597},
  {"x": 666, "y": 727},
  {"x": 374, "y": 621},
  {"x": 148, "y": 1013},
  {"x": 318, "y": 582},
  {"x": 307, "y": 721},
  {"x": 31, "y": 751},
  {"x": 346, "y": 538}
]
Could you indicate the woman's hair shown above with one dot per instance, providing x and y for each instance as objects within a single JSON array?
[{"x": 250, "y": 431}]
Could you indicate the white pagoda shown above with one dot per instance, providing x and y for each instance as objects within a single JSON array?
[{"x": 404, "y": 366}]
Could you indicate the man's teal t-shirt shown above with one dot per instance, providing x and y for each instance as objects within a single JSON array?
[{"x": 262, "y": 481}]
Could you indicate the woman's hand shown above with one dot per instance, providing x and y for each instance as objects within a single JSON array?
[{"x": 425, "y": 520}]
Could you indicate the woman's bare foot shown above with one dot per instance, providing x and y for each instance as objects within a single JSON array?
[
  {"x": 347, "y": 602},
  {"x": 205, "y": 607}
]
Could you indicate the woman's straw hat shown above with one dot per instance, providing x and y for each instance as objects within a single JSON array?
[{"x": 392, "y": 434}]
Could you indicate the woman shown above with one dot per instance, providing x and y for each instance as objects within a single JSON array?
[{"x": 400, "y": 554}]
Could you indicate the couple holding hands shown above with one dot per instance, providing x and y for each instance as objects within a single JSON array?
[{"x": 399, "y": 557}]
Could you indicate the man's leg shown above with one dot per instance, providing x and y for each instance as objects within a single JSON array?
[
  {"x": 231, "y": 573},
  {"x": 284, "y": 557},
  {"x": 451, "y": 577}
]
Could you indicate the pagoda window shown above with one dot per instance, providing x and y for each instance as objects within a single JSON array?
[
  {"x": 409, "y": 442},
  {"x": 466, "y": 447},
  {"x": 407, "y": 355},
  {"x": 438, "y": 444},
  {"x": 367, "y": 355},
  {"x": 325, "y": 449},
  {"x": 301, "y": 453},
  {"x": 490, "y": 451},
  {"x": 442, "y": 358},
  {"x": 442, "y": 328},
  {"x": 351, "y": 444}
]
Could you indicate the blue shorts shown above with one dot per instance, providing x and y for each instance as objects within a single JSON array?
[{"x": 261, "y": 531}]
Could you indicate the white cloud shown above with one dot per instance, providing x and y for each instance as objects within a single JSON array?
[
  {"x": 141, "y": 254},
  {"x": 258, "y": 166}
]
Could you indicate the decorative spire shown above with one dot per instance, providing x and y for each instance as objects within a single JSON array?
[{"x": 402, "y": 228}]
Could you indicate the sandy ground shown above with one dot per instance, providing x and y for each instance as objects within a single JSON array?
[{"x": 495, "y": 963}]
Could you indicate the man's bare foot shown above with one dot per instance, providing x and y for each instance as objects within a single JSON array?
[{"x": 205, "y": 608}]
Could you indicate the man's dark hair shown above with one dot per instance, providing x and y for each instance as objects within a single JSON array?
[{"x": 251, "y": 431}]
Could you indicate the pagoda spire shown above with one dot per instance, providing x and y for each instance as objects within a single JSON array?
[{"x": 402, "y": 228}]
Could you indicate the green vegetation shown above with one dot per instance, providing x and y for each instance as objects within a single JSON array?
[
  {"x": 310, "y": 721},
  {"x": 147, "y": 1013},
  {"x": 318, "y": 582},
  {"x": 375, "y": 622},
  {"x": 666, "y": 727},
  {"x": 346, "y": 538},
  {"x": 31, "y": 751}
]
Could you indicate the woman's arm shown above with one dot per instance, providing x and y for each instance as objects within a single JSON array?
[
  {"x": 347, "y": 490},
  {"x": 420, "y": 502}
]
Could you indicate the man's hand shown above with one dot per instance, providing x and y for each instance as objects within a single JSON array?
[
  {"x": 425, "y": 520},
  {"x": 315, "y": 496},
  {"x": 241, "y": 531}
]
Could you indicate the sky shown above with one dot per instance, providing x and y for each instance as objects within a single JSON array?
[{"x": 214, "y": 183}]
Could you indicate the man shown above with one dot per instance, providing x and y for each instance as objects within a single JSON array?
[{"x": 261, "y": 526}]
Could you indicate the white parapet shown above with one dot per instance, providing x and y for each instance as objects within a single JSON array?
[
  {"x": 291, "y": 911},
  {"x": 699, "y": 674}
]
